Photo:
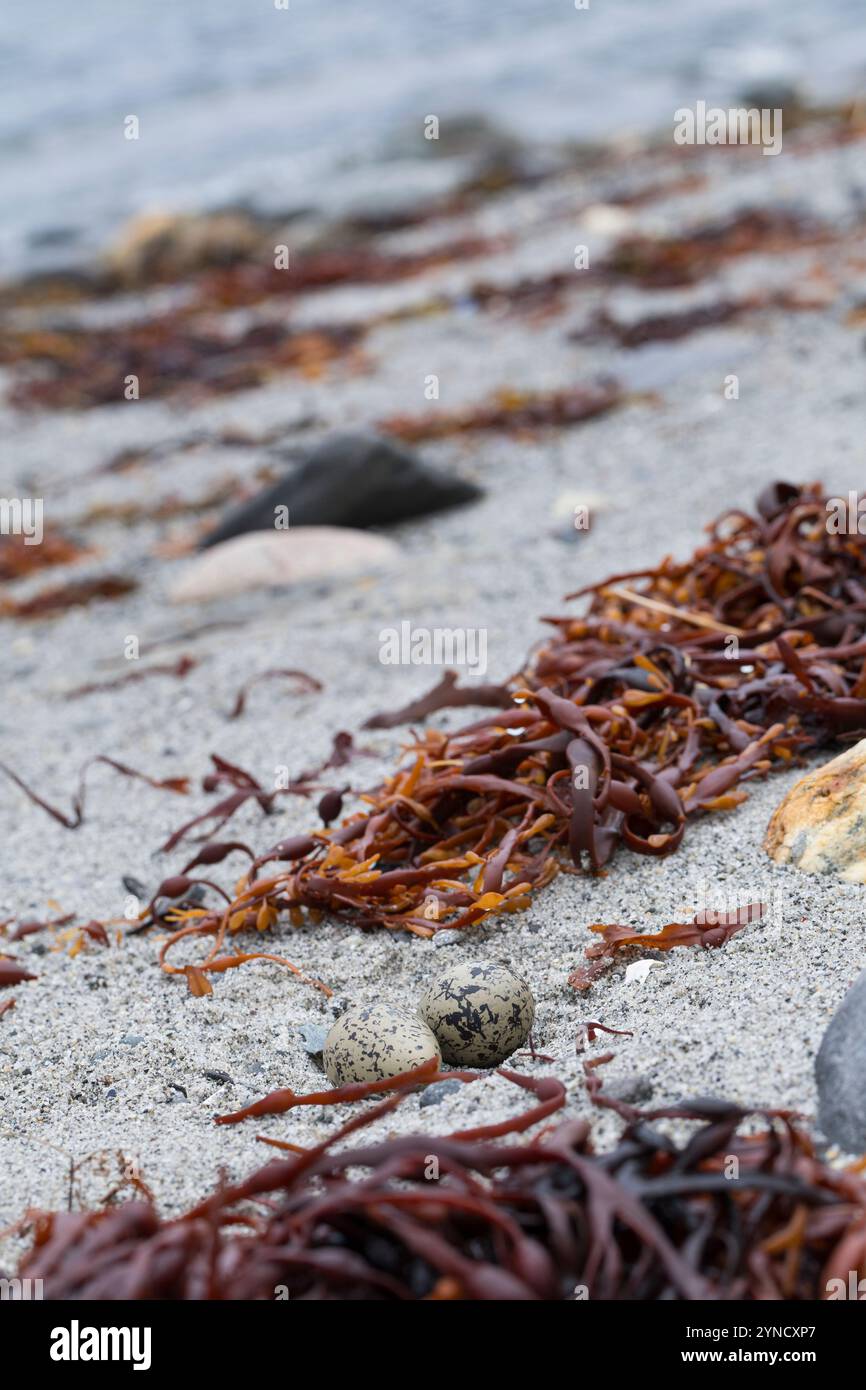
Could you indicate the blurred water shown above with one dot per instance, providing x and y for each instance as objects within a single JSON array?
[{"x": 241, "y": 101}]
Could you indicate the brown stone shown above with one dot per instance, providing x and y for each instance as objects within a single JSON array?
[
  {"x": 161, "y": 246},
  {"x": 820, "y": 826}
]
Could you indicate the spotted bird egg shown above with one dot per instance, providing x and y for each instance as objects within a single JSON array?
[
  {"x": 480, "y": 1012},
  {"x": 371, "y": 1041}
]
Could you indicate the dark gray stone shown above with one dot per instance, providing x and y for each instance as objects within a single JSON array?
[
  {"x": 438, "y": 1091},
  {"x": 840, "y": 1071},
  {"x": 357, "y": 480}
]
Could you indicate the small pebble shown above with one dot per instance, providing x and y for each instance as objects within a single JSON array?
[
  {"x": 447, "y": 938},
  {"x": 371, "y": 1041},
  {"x": 436, "y": 1093},
  {"x": 630, "y": 1090},
  {"x": 313, "y": 1037},
  {"x": 480, "y": 1012}
]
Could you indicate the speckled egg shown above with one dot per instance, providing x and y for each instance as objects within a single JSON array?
[
  {"x": 371, "y": 1041},
  {"x": 480, "y": 1012}
]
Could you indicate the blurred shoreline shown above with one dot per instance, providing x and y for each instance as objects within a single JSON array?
[{"x": 321, "y": 107}]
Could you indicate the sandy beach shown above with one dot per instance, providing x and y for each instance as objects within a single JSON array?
[{"x": 105, "y": 1061}]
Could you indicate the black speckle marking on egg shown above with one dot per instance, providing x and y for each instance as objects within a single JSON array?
[
  {"x": 371, "y": 1041},
  {"x": 480, "y": 1012}
]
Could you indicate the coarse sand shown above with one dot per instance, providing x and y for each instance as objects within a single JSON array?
[{"x": 105, "y": 1061}]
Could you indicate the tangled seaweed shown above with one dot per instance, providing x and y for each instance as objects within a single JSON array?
[
  {"x": 679, "y": 686},
  {"x": 546, "y": 1219}
]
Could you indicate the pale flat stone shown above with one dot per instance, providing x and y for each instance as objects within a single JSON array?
[
  {"x": 820, "y": 827},
  {"x": 274, "y": 559},
  {"x": 605, "y": 219}
]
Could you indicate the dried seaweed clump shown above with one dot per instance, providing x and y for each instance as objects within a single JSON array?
[
  {"x": 678, "y": 686},
  {"x": 20, "y": 557},
  {"x": 74, "y": 369},
  {"x": 425, "y": 1217}
]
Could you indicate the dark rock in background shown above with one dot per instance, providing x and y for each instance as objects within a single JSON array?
[{"x": 353, "y": 480}]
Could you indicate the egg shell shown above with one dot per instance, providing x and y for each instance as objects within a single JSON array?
[
  {"x": 371, "y": 1041},
  {"x": 480, "y": 1012}
]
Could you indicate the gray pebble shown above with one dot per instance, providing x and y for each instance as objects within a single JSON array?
[
  {"x": 840, "y": 1071},
  {"x": 436, "y": 1093},
  {"x": 630, "y": 1090},
  {"x": 447, "y": 938},
  {"x": 313, "y": 1037}
]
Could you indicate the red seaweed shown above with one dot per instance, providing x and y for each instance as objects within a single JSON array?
[
  {"x": 75, "y": 593},
  {"x": 11, "y": 973},
  {"x": 444, "y": 695},
  {"x": 510, "y": 410},
  {"x": 23, "y": 929},
  {"x": 74, "y": 818},
  {"x": 676, "y": 687},
  {"x": 178, "y": 669},
  {"x": 305, "y": 685},
  {"x": 707, "y": 929},
  {"x": 546, "y": 1218}
]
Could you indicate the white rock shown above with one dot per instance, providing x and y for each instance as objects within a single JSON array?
[{"x": 274, "y": 559}]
